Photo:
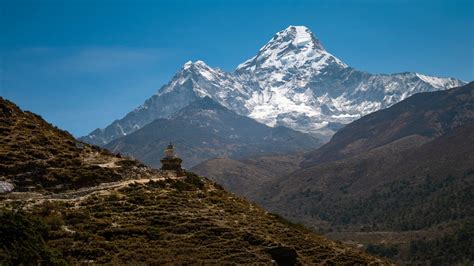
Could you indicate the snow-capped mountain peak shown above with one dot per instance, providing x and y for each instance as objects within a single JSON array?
[
  {"x": 201, "y": 69},
  {"x": 293, "y": 47},
  {"x": 193, "y": 74},
  {"x": 198, "y": 64},
  {"x": 188, "y": 64},
  {"x": 298, "y": 36}
]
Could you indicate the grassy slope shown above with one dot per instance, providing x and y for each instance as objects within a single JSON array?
[
  {"x": 35, "y": 155},
  {"x": 185, "y": 221}
]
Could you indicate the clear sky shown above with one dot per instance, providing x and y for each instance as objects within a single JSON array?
[{"x": 81, "y": 64}]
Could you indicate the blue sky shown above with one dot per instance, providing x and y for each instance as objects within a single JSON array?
[{"x": 82, "y": 64}]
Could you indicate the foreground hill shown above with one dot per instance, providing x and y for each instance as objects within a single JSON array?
[
  {"x": 167, "y": 222},
  {"x": 407, "y": 170},
  {"x": 205, "y": 130},
  {"x": 34, "y": 155},
  {"x": 150, "y": 217}
]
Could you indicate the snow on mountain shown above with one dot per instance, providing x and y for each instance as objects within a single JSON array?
[
  {"x": 440, "y": 83},
  {"x": 294, "y": 47},
  {"x": 302, "y": 86},
  {"x": 292, "y": 81},
  {"x": 204, "y": 130}
]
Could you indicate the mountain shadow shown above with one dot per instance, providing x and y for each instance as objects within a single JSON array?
[{"x": 204, "y": 130}]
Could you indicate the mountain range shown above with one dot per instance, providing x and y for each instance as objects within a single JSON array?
[{"x": 293, "y": 81}]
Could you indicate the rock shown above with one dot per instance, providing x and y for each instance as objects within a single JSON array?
[{"x": 6, "y": 187}]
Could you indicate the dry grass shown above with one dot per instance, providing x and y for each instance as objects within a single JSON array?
[
  {"x": 186, "y": 221},
  {"x": 35, "y": 155}
]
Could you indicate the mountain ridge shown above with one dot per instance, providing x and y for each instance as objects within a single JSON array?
[
  {"x": 204, "y": 130},
  {"x": 35, "y": 155},
  {"x": 293, "y": 82},
  {"x": 446, "y": 110}
]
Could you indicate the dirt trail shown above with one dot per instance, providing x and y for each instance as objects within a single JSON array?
[{"x": 82, "y": 192}]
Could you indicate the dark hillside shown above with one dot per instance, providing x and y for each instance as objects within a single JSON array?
[
  {"x": 36, "y": 155},
  {"x": 205, "y": 130}
]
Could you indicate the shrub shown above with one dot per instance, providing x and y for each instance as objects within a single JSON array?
[
  {"x": 194, "y": 179},
  {"x": 22, "y": 241}
]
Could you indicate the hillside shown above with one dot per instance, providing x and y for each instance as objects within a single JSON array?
[
  {"x": 398, "y": 175},
  {"x": 172, "y": 221},
  {"x": 433, "y": 179},
  {"x": 248, "y": 177},
  {"x": 151, "y": 217},
  {"x": 34, "y": 155},
  {"x": 204, "y": 130},
  {"x": 429, "y": 134}
]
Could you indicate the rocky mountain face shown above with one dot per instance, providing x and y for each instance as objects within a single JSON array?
[
  {"x": 73, "y": 203},
  {"x": 403, "y": 174},
  {"x": 205, "y": 130},
  {"x": 293, "y": 81}
]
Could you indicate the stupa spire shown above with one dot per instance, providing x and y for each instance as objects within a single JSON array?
[{"x": 170, "y": 162}]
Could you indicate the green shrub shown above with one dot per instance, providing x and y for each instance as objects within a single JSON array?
[
  {"x": 194, "y": 179},
  {"x": 22, "y": 241}
]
